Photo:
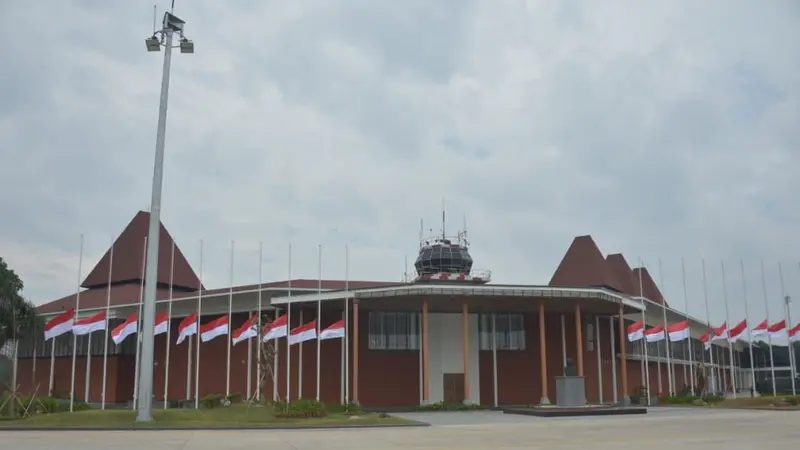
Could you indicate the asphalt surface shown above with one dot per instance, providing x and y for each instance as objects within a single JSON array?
[{"x": 662, "y": 428}]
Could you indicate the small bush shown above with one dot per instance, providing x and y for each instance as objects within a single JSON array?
[
  {"x": 211, "y": 401},
  {"x": 80, "y": 405},
  {"x": 236, "y": 397},
  {"x": 301, "y": 409},
  {"x": 346, "y": 408},
  {"x": 442, "y": 406},
  {"x": 49, "y": 405}
]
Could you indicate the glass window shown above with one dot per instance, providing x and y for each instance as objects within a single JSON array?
[
  {"x": 393, "y": 331},
  {"x": 509, "y": 331}
]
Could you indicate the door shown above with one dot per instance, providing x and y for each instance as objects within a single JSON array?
[{"x": 453, "y": 387}]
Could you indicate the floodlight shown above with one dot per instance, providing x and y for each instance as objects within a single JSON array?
[
  {"x": 153, "y": 44},
  {"x": 187, "y": 46}
]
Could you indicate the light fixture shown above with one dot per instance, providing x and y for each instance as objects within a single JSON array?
[
  {"x": 153, "y": 44},
  {"x": 187, "y": 46}
]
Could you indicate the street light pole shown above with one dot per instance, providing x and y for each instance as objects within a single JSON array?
[{"x": 171, "y": 25}]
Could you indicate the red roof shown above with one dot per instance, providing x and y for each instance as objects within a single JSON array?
[
  {"x": 649, "y": 287},
  {"x": 129, "y": 293},
  {"x": 622, "y": 271},
  {"x": 584, "y": 266},
  {"x": 129, "y": 258}
]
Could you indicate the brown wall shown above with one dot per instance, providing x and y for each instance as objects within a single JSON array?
[{"x": 387, "y": 378}]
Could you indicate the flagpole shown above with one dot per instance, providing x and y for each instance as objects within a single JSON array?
[
  {"x": 670, "y": 367},
  {"x": 769, "y": 335},
  {"x": 749, "y": 334},
  {"x": 88, "y": 377},
  {"x": 75, "y": 336},
  {"x": 169, "y": 322},
  {"x": 197, "y": 334},
  {"x": 788, "y": 311},
  {"x": 288, "y": 328},
  {"x": 189, "y": 369},
  {"x": 347, "y": 325},
  {"x": 230, "y": 310},
  {"x": 646, "y": 366},
  {"x": 260, "y": 329},
  {"x": 139, "y": 330},
  {"x": 299, "y": 361},
  {"x": 728, "y": 320},
  {"x": 710, "y": 330},
  {"x": 319, "y": 311},
  {"x": 108, "y": 310},
  {"x": 52, "y": 365},
  {"x": 249, "y": 360},
  {"x": 686, "y": 310}
]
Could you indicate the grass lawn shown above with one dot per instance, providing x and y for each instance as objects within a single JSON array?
[
  {"x": 764, "y": 402},
  {"x": 234, "y": 416}
]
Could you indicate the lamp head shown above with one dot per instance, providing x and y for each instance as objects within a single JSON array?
[
  {"x": 187, "y": 46},
  {"x": 153, "y": 44}
]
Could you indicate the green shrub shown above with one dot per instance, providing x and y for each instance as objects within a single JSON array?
[
  {"x": 301, "y": 409},
  {"x": 49, "y": 405},
  {"x": 236, "y": 397},
  {"x": 211, "y": 401},
  {"x": 80, "y": 405},
  {"x": 442, "y": 406}
]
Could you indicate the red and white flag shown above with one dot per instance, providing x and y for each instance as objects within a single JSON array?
[
  {"x": 215, "y": 328},
  {"x": 303, "y": 333},
  {"x": 335, "y": 331},
  {"x": 187, "y": 327},
  {"x": 737, "y": 331},
  {"x": 59, "y": 324},
  {"x": 125, "y": 329},
  {"x": 777, "y": 330},
  {"x": 760, "y": 330},
  {"x": 162, "y": 323},
  {"x": 90, "y": 324},
  {"x": 247, "y": 331},
  {"x": 678, "y": 331},
  {"x": 706, "y": 339},
  {"x": 636, "y": 331},
  {"x": 720, "y": 333},
  {"x": 655, "y": 334},
  {"x": 794, "y": 333},
  {"x": 277, "y": 329}
]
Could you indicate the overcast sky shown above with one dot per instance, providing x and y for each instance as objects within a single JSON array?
[{"x": 664, "y": 129}]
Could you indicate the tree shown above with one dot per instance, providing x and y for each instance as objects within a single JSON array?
[{"x": 18, "y": 318}]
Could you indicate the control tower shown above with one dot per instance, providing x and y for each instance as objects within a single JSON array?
[{"x": 446, "y": 259}]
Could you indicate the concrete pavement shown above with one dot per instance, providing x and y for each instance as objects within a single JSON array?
[{"x": 662, "y": 428}]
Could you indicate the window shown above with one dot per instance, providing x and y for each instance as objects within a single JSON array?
[
  {"x": 393, "y": 331},
  {"x": 509, "y": 331}
]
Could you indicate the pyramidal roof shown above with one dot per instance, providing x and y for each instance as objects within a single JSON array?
[
  {"x": 584, "y": 266},
  {"x": 129, "y": 257},
  {"x": 623, "y": 273},
  {"x": 649, "y": 287}
]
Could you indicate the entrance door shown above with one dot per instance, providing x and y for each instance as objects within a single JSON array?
[{"x": 453, "y": 387}]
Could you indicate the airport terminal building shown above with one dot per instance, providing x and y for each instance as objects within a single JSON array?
[{"x": 445, "y": 335}]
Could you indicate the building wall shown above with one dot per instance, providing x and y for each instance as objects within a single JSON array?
[{"x": 387, "y": 378}]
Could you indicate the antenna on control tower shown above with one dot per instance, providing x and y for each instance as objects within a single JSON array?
[{"x": 444, "y": 235}]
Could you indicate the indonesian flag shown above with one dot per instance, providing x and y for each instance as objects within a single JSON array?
[
  {"x": 760, "y": 330},
  {"x": 678, "y": 331},
  {"x": 720, "y": 333},
  {"x": 335, "y": 331},
  {"x": 777, "y": 330},
  {"x": 215, "y": 328},
  {"x": 706, "y": 339},
  {"x": 59, "y": 324},
  {"x": 246, "y": 331},
  {"x": 635, "y": 331},
  {"x": 303, "y": 333},
  {"x": 187, "y": 327},
  {"x": 794, "y": 333},
  {"x": 162, "y": 323},
  {"x": 277, "y": 329},
  {"x": 655, "y": 334},
  {"x": 737, "y": 330},
  {"x": 125, "y": 329},
  {"x": 89, "y": 325}
]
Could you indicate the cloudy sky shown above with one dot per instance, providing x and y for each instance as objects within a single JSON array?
[{"x": 664, "y": 129}]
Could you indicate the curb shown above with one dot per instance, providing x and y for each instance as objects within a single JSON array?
[{"x": 228, "y": 428}]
